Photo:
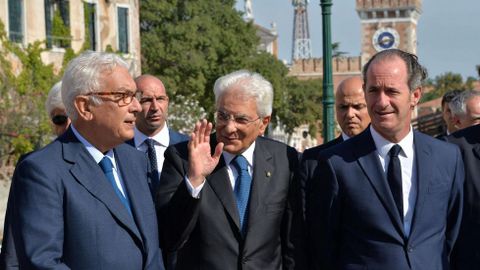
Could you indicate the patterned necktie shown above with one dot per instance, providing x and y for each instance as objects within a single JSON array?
[
  {"x": 107, "y": 169},
  {"x": 394, "y": 176},
  {"x": 242, "y": 190},
  {"x": 152, "y": 158}
]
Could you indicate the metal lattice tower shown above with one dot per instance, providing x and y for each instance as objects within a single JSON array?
[{"x": 301, "y": 48}]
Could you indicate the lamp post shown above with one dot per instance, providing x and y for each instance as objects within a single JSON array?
[{"x": 328, "y": 101}]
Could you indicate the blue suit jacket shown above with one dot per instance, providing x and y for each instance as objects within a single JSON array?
[
  {"x": 65, "y": 213},
  {"x": 351, "y": 214}
]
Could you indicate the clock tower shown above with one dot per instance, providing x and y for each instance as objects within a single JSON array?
[{"x": 388, "y": 24}]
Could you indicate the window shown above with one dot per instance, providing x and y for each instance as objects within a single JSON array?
[
  {"x": 122, "y": 15},
  {"x": 15, "y": 20},
  {"x": 57, "y": 23},
  {"x": 90, "y": 12}
]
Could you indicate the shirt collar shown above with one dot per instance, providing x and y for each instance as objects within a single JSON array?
[
  {"x": 345, "y": 136},
  {"x": 383, "y": 145},
  {"x": 162, "y": 137},
  {"x": 92, "y": 150},
  {"x": 248, "y": 154}
]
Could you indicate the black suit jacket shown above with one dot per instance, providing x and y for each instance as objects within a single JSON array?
[
  {"x": 466, "y": 253},
  {"x": 65, "y": 213},
  {"x": 352, "y": 219},
  {"x": 206, "y": 232}
]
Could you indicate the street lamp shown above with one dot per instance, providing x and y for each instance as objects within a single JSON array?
[{"x": 328, "y": 101}]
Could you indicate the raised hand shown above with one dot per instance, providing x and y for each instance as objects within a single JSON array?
[{"x": 200, "y": 160}]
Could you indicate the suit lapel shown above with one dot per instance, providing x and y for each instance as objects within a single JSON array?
[
  {"x": 218, "y": 180},
  {"x": 368, "y": 160},
  {"x": 91, "y": 177},
  {"x": 263, "y": 169},
  {"x": 424, "y": 173}
]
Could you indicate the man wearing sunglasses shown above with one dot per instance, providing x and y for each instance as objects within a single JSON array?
[
  {"x": 56, "y": 109},
  {"x": 83, "y": 201},
  {"x": 228, "y": 200}
]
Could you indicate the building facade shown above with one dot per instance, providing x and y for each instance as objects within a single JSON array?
[{"x": 99, "y": 25}]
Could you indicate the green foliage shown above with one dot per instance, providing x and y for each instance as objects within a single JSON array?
[
  {"x": 60, "y": 32},
  {"x": 446, "y": 82},
  {"x": 24, "y": 125},
  {"x": 189, "y": 44}
]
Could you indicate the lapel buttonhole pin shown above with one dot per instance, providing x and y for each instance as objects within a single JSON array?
[{"x": 268, "y": 174}]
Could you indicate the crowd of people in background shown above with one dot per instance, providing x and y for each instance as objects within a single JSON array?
[{"x": 119, "y": 189}]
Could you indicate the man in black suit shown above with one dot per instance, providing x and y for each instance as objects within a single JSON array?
[
  {"x": 83, "y": 202},
  {"x": 390, "y": 197},
  {"x": 229, "y": 200},
  {"x": 352, "y": 116},
  {"x": 447, "y": 113},
  {"x": 466, "y": 253}
]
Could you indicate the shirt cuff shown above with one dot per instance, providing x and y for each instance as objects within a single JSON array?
[{"x": 195, "y": 192}]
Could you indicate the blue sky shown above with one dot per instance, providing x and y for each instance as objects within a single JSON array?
[{"x": 448, "y": 31}]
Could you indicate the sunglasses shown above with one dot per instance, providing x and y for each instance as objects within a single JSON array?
[{"x": 59, "y": 119}]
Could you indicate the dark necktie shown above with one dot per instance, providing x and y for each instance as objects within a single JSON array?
[
  {"x": 242, "y": 190},
  {"x": 107, "y": 169},
  {"x": 394, "y": 176},
  {"x": 152, "y": 158}
]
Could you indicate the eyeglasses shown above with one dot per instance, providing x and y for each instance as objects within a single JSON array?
[
  {"x": 149, "y": 100},
  {"x": 222, "y": 118},
  {"x": 122, "y": 98},
  {"x": 59, "y": 120}
]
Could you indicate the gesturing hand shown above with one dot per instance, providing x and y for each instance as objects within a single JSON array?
[{"x": 200, "y": 160}]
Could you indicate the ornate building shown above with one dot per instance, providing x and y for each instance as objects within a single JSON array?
[
  {"x": 388, "y": 24},
  {"x": 95, "y": 24}
]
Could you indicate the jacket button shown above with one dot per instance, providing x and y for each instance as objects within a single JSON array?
[{"x": 410, "y": 249}]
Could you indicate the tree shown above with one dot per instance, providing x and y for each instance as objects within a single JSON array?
[
  {"x": 189, "y": 44},
  {"x": 24, "y": 125},
  {"x": 446, "y": 82}
]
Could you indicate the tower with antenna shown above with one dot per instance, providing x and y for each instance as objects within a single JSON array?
[{"x": 301, "y": 48}]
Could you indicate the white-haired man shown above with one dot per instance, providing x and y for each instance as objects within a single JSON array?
[
  {"x": 83, "y": 201},
  {"x": 228, "y": 200}
]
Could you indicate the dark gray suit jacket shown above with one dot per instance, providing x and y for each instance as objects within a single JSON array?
[
  {"x": 466, "y": 253},
  {"x": 352, "y": 218},
  {"x": 205, "y": 231},
  {"x": 65, "y": 213}
]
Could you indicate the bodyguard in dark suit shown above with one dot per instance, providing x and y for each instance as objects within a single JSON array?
[
  {"x": 83, "y": 201},
  {"x": 152, "y": 135},
  {"x": 352, "y": 117},
  {"x": 466, "y": 254},
  {"x": 236, "y": 209},
  {"x": 390, "y": 197}
]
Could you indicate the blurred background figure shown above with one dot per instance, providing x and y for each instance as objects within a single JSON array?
[
  {"x": 447, "y": 113},
  {"x": 56, "y": 109},
  {"x": 465, "y": 109}
]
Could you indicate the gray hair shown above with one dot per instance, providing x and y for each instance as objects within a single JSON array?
[
  {"x": 82, "y": 76},
  {"x": 416, "y": 73},
  {"x": 54, "y": 98},
  {"x": 252, "y": 84},
  {"x": 458, "y": 105}
]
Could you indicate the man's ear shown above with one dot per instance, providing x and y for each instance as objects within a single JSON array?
[
  {"x": 83, "y": 106},
  {"x": 264, "y": 123},
  {"x": 415, "y": 97}
]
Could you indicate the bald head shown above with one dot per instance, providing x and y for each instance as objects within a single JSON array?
[
  {"x": 154, "y": 102},
  {"x": 351, "y": 108}
]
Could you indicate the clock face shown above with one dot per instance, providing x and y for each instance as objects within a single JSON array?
[{"x": 385, "y": 38}]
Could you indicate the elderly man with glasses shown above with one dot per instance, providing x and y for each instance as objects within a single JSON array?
[
  {"x": 83, "y": 201},
  {"x": 228, "y": 200}
]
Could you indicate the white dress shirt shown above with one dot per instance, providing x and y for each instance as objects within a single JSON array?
[
  {"x": 232, "y": 171},
  {"x": 161, "y": 141},
  {"x": 98, "y": 156},
  {"x": 409, "y": 171}
]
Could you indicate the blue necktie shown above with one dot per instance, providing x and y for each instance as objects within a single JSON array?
[
  {"x": 242, "y": 190},
  {"x": 107, "y": 169},
  {"x": 394, "y": 176},
  {"x": 152, "y": 158}
]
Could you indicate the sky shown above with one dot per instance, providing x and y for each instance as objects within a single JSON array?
[{"x": 448, "y": 32}]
